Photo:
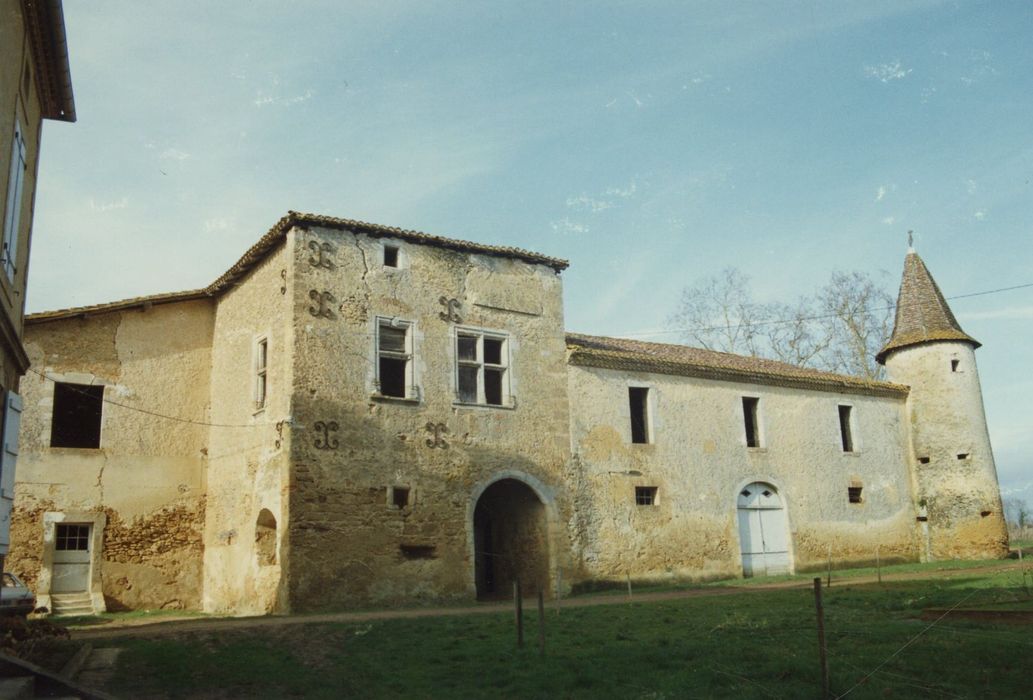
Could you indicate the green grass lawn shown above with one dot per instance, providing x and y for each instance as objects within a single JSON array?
[{"x": 745, "y": 644}]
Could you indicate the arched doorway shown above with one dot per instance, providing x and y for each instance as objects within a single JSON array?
[
  {"x": 510, "y": 540},
  {"x": 763, "y": 532}
]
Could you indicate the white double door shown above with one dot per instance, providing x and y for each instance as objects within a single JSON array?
[{"x": 763, "y": 533}]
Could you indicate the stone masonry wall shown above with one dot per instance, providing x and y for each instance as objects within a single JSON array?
[{"x": 350, "y": 447}]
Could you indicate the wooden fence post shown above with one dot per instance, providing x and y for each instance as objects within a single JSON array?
[
  {"x": 518, "y": 604},
  {"x": 822, "y": 657},
  {"x": 541, "y": 621}
]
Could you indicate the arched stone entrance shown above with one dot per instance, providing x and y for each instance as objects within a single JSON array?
[
  {"x": 511, "y": 536},
  {"x": 763, "y": 531}
]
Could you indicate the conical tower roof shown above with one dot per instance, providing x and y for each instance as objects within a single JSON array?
[{"x": 922, "y": 313}]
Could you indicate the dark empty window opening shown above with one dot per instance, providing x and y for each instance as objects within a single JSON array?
[
  {"x": 854, "y": 493},
  {"x": 964, "y": 455},
  {"x": 77, "y": 412},
  {"x": 954, "y": 365},
  {"x": 393, "y": 351},
  {"x": 985, "y": 513},
  {"x": 72, "y": 538},
  {"x": 844, "y": 428},
  {"x": 645, "y": 495},
  {"x": 482, "y": 363},
  {"x": 390, "y": 256},
  {"x": 923, "y": 460},
  {"x": 750, "y": 406},
  {"x": 638, "y": 398},
  {"x": 417, "y": 551},
  {"x": 400, "y": 496}
]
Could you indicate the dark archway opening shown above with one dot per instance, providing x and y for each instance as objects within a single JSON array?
[{"x": 510, "y": 540}]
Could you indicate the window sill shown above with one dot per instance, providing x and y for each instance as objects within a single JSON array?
[
  {"x": 852, "y": 453},
  {"x": 502, "y": 407},
  {"x": 258, "y": 412},
  {"x": 405, "y": 400},
  {"x": 757, "y": 450}
]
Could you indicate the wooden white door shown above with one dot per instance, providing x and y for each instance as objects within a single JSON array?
[
  {"x": 763, "y": 536},
  {"x": 71, "y": 558}
]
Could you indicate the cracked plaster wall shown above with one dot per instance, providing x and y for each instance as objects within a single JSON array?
[
  {"x": 699, "y": 461},
  {"x": 148, "y": 475},
  {"x": 346, "y": 538}
]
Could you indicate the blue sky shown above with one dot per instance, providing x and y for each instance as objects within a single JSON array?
[{"x": 649, "y": 143}]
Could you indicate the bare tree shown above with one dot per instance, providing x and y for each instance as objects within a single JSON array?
[
  {"x": 1017, "y": 513},
  {"x": 857, "y": 319},
  {"x": 839, "y": 328}
]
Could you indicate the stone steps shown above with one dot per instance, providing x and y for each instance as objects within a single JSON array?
[{"x": 71, "y": 604}]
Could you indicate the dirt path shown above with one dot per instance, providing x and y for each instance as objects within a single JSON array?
[{"x": 142, "y": 627}]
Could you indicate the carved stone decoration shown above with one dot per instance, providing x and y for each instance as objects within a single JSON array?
[
  {"x": 451, "y": 312},
  {"x": 324, "y": 440},
  {"x": 322, "y": 307},
  {"x": 322, "y": 251},
  {"x": 283, "y": 287},
  {"x": 437, "y": 431}
]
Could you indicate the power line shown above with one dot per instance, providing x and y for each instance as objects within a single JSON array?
[
  {"x": 191, "y": 421},
  {"x": 780, "y": 322}
]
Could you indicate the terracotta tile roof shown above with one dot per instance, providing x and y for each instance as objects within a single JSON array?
[
  {"x": 683, "y": 360},
  {"x": 923, "y": 315},
  {"x": 275, "y": 235}
]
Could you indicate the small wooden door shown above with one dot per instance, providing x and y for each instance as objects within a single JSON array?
[
  {"x": 763, "y": 536},
  {"x": 71, "y": 558}
]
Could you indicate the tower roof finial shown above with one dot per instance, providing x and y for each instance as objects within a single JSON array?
[{"x": 910, "y": 241}]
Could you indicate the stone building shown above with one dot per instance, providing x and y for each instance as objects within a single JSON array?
[
  {"x": 358, "y": 414},
  {"x": 34, "y": 85}
]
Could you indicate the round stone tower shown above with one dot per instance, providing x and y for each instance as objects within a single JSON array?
[{"x": 957, "y": 496}]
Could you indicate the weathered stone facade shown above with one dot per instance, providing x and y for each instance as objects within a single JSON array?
[{"x": 361, "y": 415}]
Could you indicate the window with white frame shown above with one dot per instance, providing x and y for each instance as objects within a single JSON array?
[
  {"x": 13, "y": 208},
  {"x": 482, "y": 367},
  {"x": 394, "y": 358},
  {"x": 261, "y": 367}
]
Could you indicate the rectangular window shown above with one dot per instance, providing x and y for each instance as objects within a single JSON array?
[
  {"x": 954, "y": 365},
  {"x": 645, "y": 495},
  {"x": 394, "y": 357},
  {"x": 854, "y": 493},
  {"x": 638, "y": 400},
  {"x": 13, "y": 206},
  {"x": 845, "y": 433},
  {"x": 390, "y": 256},
  {"x": 72, "y": 538},
  {"x": 77, "y": 413},
  {"x": 261, "y": 363},
  {"x": 400, "y": 496},
  {"x": 482, "y": 368},
  {"x": 750, "y": 416}
]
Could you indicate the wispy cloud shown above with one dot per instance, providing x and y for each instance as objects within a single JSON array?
[
  {"x": 886, "y": 72},
  {"x": 979, "y": 215},
  {"x": 263, "y": 100},
  {"x": 219, "y": 223},
  {"x": 978, "y": 67},
  {"x": 607, "y": 199},
  {"x": 108, "y": 206},
  {"x": 880, "y": 193},
  {"x": 173, "y": 154},
  {"x": 568, "y": 227},
  {"x": 971, "y": 186},
  {"x": 889, "y": 220}
]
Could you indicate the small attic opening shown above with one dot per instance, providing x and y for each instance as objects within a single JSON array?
[
  {"x": 954, "y": 365},
  {"x": 390, "y": 256}
]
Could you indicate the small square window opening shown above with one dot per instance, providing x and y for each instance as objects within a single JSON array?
[
  {"x": 645, "y": 495},
  {"x": 954, "y": 365},
  {"x": 923, "y": 460},
  {"x": 964, "y": 455},
  {"x": 390, "y": 256},
  {"x": 72, "y": 538},
  {"x": 638, "y": 399},
  {"x": 854, "y": 493},
  {"x": 400, "y": 496},
  {"x": 77, "y": 414},
  {"x": 750, "y": 415}
]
